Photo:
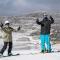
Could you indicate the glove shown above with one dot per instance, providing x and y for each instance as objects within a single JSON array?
[
  {"x": 51, "y": 17},
  {"x": 1, "y": 25},
  {"x": 37, "y": 20},
  {"x": 18, "y": 28}
]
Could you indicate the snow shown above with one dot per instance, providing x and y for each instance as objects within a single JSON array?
[
  {"x": 40, "y": 56},
  {"x": 30, "y": 54},
  {"x": 34, "y": 55}
]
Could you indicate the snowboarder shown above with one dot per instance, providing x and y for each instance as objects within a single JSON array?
[
  {"x": 45, "y": 32},
  {"x": 7, "y": 30}
]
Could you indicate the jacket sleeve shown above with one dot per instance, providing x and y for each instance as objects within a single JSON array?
[
  {"x": 12, "y": 29},
  {"x": 1, "y": 25},
  {"x": 15, "y": 30},
  {"x": 39, "y": 23},
  {"x": 51, "y": 20},
  {"x": 4, "y": 29}
]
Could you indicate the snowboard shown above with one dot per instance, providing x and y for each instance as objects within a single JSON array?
[
  {"x": 9, "y": 56},
  {"x": 58, "y": 51}
]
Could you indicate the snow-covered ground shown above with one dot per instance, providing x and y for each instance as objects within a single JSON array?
[
  {"x": 21, "y": 41},
  {"x": 29, "y": 55}
]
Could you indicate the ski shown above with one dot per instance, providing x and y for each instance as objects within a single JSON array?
[{"x": 9, "y": 56}]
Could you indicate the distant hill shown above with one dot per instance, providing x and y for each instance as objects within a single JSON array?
[{"x": 31, "y": 16}]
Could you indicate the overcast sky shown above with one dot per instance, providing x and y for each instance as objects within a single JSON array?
[{"x": 19, "y": 7}]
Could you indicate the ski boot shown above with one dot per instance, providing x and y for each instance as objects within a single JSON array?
[
  {"x": 48, "y": 51},
  {"x": 1, "y": 54},
  {"x": 10, "y": 54},
  {"x": 42, "y": 51}
]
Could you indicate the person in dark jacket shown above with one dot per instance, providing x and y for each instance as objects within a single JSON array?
[{"x": 45, "y": 33}]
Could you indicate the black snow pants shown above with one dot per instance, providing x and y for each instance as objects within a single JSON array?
[{"x": 9, "y": 44}]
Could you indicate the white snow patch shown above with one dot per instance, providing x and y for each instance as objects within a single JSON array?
[{"x": 29, "y": 55}]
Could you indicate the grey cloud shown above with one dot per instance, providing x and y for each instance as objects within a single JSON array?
[{"x": 11, "y": 7}]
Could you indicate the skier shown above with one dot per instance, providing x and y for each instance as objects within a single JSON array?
[
  {"x": 45, "y": 32},
  {"x": 7, "y": 30}
]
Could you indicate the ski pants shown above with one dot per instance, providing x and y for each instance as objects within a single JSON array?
[
  {"x": 45, "y": 42},
  {"x": 9, "y": 44}
]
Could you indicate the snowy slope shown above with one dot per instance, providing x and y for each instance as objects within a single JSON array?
[
  {"x": 34, "y": 55},
  {"x": 40, "y": 56}
]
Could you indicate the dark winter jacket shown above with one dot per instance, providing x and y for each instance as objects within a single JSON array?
[{"x": 45, "y": 25}]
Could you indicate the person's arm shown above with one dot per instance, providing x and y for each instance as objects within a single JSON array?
[
  {"x": 2, "y": 26},
  {"x": 51, "y": 20},
  {"x": 39, "y": 23},
  {"x": 17, "y": 29}
]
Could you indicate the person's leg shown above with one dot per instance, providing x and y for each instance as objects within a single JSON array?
[
  {"x": 42, "y": 43},
  {"x": 10, "y": 48},
  {"x": 4, "y": 47},
  {"x": 47, "y": 41}
]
